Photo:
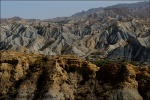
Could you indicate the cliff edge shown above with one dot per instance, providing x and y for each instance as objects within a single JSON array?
[{"x": 66, "y": 77}]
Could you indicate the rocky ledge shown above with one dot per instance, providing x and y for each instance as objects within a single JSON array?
[{"x": 66, "y": 77}]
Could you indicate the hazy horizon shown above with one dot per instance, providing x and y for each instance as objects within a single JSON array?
[{"x": 50, "y": 9}]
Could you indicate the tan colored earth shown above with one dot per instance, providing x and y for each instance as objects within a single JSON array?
[{"x": 66, "y": 77}]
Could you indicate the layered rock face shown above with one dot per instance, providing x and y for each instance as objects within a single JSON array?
[{"x": 66, "y": 77}]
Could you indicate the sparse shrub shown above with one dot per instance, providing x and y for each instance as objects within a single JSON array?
[{"x": 101, "y": 63}]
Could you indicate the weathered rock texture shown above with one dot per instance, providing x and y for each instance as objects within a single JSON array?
[
  {"x": 117, "y": 32},
  {"x": 108, "y": 38},
  {"x": 66, "y": 77}
]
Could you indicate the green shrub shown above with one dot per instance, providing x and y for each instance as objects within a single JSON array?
[{"x": 101, "y": 63}]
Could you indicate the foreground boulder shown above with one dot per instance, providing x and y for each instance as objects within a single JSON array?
[{"x": 66, "y": 77}]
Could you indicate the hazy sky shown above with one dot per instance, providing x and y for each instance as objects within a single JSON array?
[{"x": 50, "y": 9}]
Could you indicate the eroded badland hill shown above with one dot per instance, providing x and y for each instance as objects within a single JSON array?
[{"x": 66, "y": 77}]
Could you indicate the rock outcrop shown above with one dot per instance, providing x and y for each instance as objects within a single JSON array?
[{"x": 66, "y": 77}]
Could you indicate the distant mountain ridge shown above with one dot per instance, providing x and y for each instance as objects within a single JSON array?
[
  {"x": 142, "y": 7},
  {"x": 85, "y": 13},
  {"x": 110, "y": 33},
  {"x": 134, "y": 7}
]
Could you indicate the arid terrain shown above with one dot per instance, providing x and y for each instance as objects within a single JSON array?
[
  {"x": 99, "y": 54},
  {"x": 66, "y": 77},
  {"x": 117, "y": 33}
]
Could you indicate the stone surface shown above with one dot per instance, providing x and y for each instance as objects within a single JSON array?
[{"x": 38, "y": 77}]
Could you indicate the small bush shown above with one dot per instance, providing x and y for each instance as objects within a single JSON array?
[{"x": 101, "y": 63}]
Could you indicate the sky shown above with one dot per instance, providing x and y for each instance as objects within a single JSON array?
[{"x": 50, "y": 9}]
